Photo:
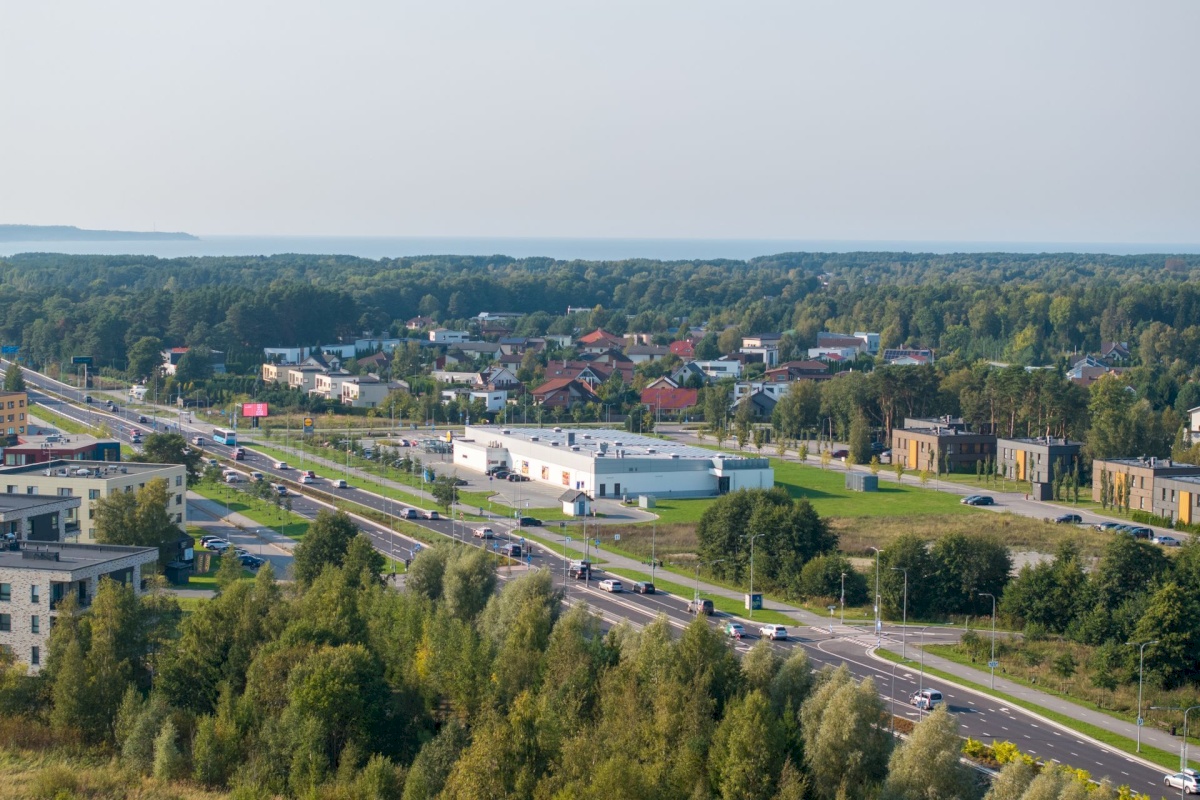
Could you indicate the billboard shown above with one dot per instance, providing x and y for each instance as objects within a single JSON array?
[{"x": 254, "y": 409}]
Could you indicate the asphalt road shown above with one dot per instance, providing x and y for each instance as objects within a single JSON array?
[{"x": 979, "y": 716}]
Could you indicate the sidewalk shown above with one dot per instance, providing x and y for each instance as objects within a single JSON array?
[{"x": 1152, "y": 736}]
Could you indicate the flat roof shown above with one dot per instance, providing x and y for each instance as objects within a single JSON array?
[
  {"x": 87, "y": 469},
  {"x": 1147, "y": 463},
  {"x": 945, "y": 431},
  {"x": 70, "y": 556},
  {"x": 1041, "y": 440},
  {"x": 53, "y": 440},
  {"x": 591, "y": 440},
  {"x": 23, "y": 503}
]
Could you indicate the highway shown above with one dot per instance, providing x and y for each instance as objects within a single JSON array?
[{"x": 979, "y": 716}]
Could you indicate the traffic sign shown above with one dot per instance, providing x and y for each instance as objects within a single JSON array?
[
  {"x": 993, "y": 664},
  {"x": 308, "y": 424},
  {"x": 81, "y": 360},
  {"x": 10, "y": 349},
  {"x": 1141, "y": 721},
  {"x": 567, "y": 539},
  {"x": 616, "y": 537}
]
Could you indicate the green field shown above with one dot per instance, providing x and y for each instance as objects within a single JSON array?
[{"x": 266, "y": 514}]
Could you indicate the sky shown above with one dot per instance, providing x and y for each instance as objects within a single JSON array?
[{"x": 950, "y": 121}]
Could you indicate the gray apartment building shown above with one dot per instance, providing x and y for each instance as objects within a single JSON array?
[
  {"x": 35, "y": 517},
  {"x": 1177, "y": 498},
  {"x": 35, "y": 577},
  {"x": 1035, "y": 461},
  {"x": 1143, "y": 477}
]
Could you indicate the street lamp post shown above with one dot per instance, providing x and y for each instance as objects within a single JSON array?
[
  {"x": 992, "y": 663},
  {"x": 843, "y": 601},
  {"x": 831, "y": 610},
  {"x": 904, "y": 623},
  {"x": 752, "y": 538},
  {"x": 1141, "y": 646},
  {"x": 878, "y": 627}
]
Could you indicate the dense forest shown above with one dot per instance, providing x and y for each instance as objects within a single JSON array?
[{"x": 338, "y": 687}]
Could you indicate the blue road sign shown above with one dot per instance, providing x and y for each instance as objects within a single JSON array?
[
  {"x": 993, "y": 664},
  {"x": 10, "y": 349}
]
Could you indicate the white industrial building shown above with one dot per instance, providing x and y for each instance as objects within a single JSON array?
[{"x": 610, "y": 463}]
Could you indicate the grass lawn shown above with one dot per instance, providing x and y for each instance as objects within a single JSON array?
[
  {"x": 266, "y": 514},
  {"x": 209, "y": 579},
  {"x": 59, "y": 421},
  {"x": 724, "y": 604},
  {"x": 1169, "y": 761}
]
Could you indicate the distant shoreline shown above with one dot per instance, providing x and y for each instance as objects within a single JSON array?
[{"x": 70, "y": 233}]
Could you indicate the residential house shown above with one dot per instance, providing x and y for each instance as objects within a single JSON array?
[
  {"x": 36, "y": 577},
  {"x": 419, "y": 323},
  {"x": 872, "y": 340},
  {"x": 860, "y": 342},
  {"x": 1142, "y": 477},
  {"x": 464, "y": 378},
  {"x": 645, "y": 353},
  {"x": 941, "y": 449},
  {"x": 559, "y": 340},
  {"x": 513, "y": 345},
  {"x": 370, "y": 345},
  {"x": 304, "y": 378},
  {"x": 832, "y": 353},
  {"x": 365, "y": 391},
  {"x": 375, "y": 362},
  {"x": 720, "y": 368},
  {"x": 685, "y": 349},
  {"x": 1178, "y": 499},
  {"x": 470, "y": 351},
  {"x": 762, "y": 347},
  {"x": 445, "y": 336},
  {"x": 1037, "y": 461},
  {"x": 171, "y": 360},
  {"x": 286, "y": 355},
  {"x": 564, "y": 393},
  {"x": 662, "y": 382},
  {"x": 493, "y": 400},
  {"x": 761, "y": 401},
  {"x": 774, "y": 390},
  {"x": 692, "y": 371},
  {"x": 797, "y": 371},
  {"x": 670, "y": 399},
  {"x": 13, "y": 407},
  {"x": 500, "y": 377},
  {"x": 598, "y": 341},
  {"x": 329, "y": 384},
  {"x": 1115, "y": 352},
  {"x": 904, "y": 356}
]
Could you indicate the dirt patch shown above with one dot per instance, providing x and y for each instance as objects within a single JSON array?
[{"x": 1022, "y": 534}]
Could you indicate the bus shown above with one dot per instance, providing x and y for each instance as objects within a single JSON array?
[{"x": 225, "y": 437}]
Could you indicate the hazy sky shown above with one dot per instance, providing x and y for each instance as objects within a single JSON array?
[{"x": 1002, "y": 121}]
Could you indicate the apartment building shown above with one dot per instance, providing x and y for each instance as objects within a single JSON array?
[
  {"x": 939, "y": 449},
  {"x": 91, "y": 480},
  {"x": 13, "y": 409},
  {"x": 34, "y": 517},
  {"x": 35, "y": 578},
  {"x": 1140, "y": 475},
  {"x": 1036, "y": 461}
]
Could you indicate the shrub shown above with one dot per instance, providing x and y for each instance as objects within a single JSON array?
[{"x": 55, "y": 782}]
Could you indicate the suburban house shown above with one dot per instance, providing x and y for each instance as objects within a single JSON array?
[
  {"x": 171, "y": 360},
  {"x": 773, "y": 390},
  {"x": 303, "y": 378},
  {"x": 798, "y": 371},
  {"x": 286, "y": 355},
  {"x": 464, "y": 378},
  {"x": 762, "y": 402},
  {"x": 1140, "y": 476},
  {"x": 900, "y": 356},
  {"x": 685, "y": 349},
  {"x": 365, "y": 391},
  {"x": 645, "y": 353},
  {"x": 564, "y": 393},
  {"x": 720, "y": 368},
  {"x": 692, "y": 371},
  {"x": 13, "y": 407},
  {"x": 1038, "y": 462},
  {"x": 1114, "y": 352},
  {"x": 598, "y": 341},
  {"x": 374, "y": 362},
  {"x": 500, "y": 377},
  {"x": 329, "y": 384},
  {"x": 1178, "y": 499},
  {"x": 444, "y": 336},
  {"x": 35, "y": 577},
  {"x": 941, "y": 449},
  {"x": 419, "y": 323},
  {"x": 669, "y": 398},
  {"x": 762, "y": 347},
  {"x": 470, "y": 351}
]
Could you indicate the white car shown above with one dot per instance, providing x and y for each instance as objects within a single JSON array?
[
  {"x": 307, "y": 479},
  {"x": 338, "y": 483},
  {"x": 484, "y": 533},
  {"x": 1167, "y": 541},
  {"x": 611, "y": 585},
  {"x": 233, "y": 477},
  {"x": 281, "y": 465},
  {"x": 776, "y": 633},
  {"x": 1188, "y": 781},
  {"x": 256, "y": 475}
]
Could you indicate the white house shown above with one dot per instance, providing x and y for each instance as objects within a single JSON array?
[
  {"x": 773, "y": 389},
  {"x": 444, "y": 336},
  {"x": 762, "y": 347},
  {"x": 364, "y": 391},
  {"x": 286, "y": 355},
  {"x": 493, "y": 401},
  {"x": 721, "y": 368},
  {"x": 329, "y": 384}
]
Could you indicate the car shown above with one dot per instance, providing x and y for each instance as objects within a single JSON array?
[
  {"x": 734, "y": 630},
  {"x": 512, "y": 477},
  {"x": 338, "y": 483},
  {"x": 878, "y": 447},
  {"x": 233, "y": 477},
  {"x": 459, "y": 482},
  {"x": 280, "y": 489},
  {"x": 239, "y": 454},
  {"x": 611, "y": 585},
  {"x": 212, "y": 462},
  {"x": 511, "y": 549},
  {"x": 926, "y": 699},
  {"x": 432, "y": 515},
  {"x": 87, "y": 398},
  {"x": 500, "y": 475},
  {"x": 198, "y": 441},
  {"x": 1167, "y": 541},
  {"x": 219, "y": 545},
  {"x": 251, "y": 562},
  {"x": 307, "y": 479},
  {"x": 497, "y": 468},
  {"x": 776, "y": 633},
  {"x": 1188, "y": 780},
  {"x": 281, "y": 465},
  {"x": 1106, "y": 526},
  {"x": 701, "y": 606},
  {"x": 241, "y": 551},
  {"x": 204, "y": 540},
  {"x": 841, "y": 453},
  {"x": 410, "y": 513},
  {"x": 142, "y": 419},
  {"x": 484, "y": 533},
  {"x": 529, "y": 522},
  {"x": 1068, "y": 519},
  {"x": 643, "y": 587},
  {"x": 981, "y": 500},
  {"x": 1138, "y": 532},
  {"x": 308, "y": 473},
  {"x": 579, "y": 569},
  {"x": 969, "y": 499},
  {"x": 256, "y": 476},
  {"x": 135, "y": 439}
]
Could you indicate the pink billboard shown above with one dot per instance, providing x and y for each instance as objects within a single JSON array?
[{"x": 254, "y": 409}]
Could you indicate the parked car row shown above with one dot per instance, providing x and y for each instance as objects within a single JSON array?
[{"x": 1136, "y": 531}]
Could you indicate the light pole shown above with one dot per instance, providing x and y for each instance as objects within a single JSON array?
[
  {"x": 752, "y": 538},
  {"x": 1183, "y": 748},
  {"x": 992, "y": 663},
  {"x": 878, "y": 627},
  {"x": 843, "y": 598},
  {"x": 1141, "y": 646},
  {"x": 904, "y": 623},
  {"x": 921, "y": 683},
  {"x": 831, "y": 610}
]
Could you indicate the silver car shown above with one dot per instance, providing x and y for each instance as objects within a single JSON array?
[{"x": 1187, "y": 780}]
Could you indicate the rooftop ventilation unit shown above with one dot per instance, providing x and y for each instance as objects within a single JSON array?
[
  {"x": 587, "y": 436},
  {"x": 535, "y": 438},
  {"x": 575, "y": 448},
  {"x": 555, "y": 444},
  {"x": 505, "y": 431},
  {"x": 674, "y": 455},
  {"x": 650, "y": 451},
  {"x": 558, "y": 430}
]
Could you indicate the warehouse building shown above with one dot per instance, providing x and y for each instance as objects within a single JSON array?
[{"x": 610, "y": 463}]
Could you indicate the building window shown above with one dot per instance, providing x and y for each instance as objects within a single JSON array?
[
  {"x": 11, "y": 489},
  {"x": 178, "y": 499},
  {"x": 35, "y": 655},
  {"x": 35, "y": 624},
  {"x": 34, "y": 594},
  {"x": 5, "y": 623},
  {"x": 65, "y": 492},
  {"x": 93, "y": 494},
  {"x": 5, "y": 592},
  {"x": 30, "y": 490}
]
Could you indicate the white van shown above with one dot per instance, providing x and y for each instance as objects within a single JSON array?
[{"x": 926, "y": 700}]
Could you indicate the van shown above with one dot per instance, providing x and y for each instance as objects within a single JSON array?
[
  {"x": 702, "y": 606},
  {"x": 926, "y": 699},
  {"x": 511, "y": 549}
]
